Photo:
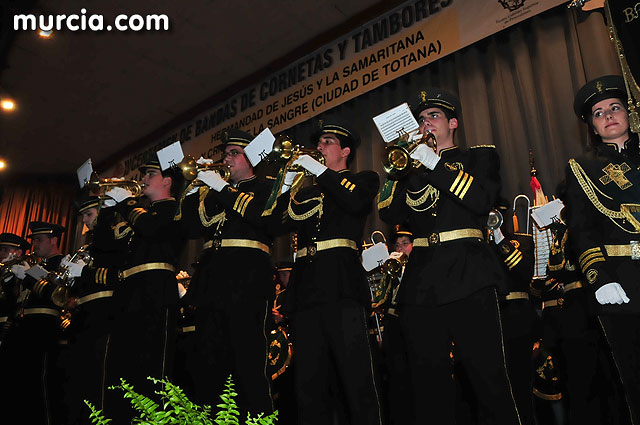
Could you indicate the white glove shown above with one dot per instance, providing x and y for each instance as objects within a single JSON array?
[
  {"x": 611, "y": 293},
  {"x": 116, "y": 194},
  {"x": 497, "y": 236},
  {"x": 75, "y": 269},
  {"x": 19, "y": 270},
  {"x": 66, "y": 260},
  {"x": 202, "y": 160},
  {"x": 8, "y": 258},
  {"x": 212, "y": 179},
  {"x": 310, "y": 164},
  {"x": 288, "y": 180},
  {"x": 395, "y": 255},
  {"x": 426, "y": 156}
]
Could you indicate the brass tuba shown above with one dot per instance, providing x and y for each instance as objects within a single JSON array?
[
  {"x": 190, "y": 169},
  {"x": 101, "y": 186},
  {"x": 396, "y": 159},
  {"x": 286, "y": 151}
]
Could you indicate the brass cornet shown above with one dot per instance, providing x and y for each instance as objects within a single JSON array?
[
  {"x": 396, "y": 159},
  {"x": 190, "y": 169},
  {"x": 5, "y": 268},
  {"x": 100, "y": 186},
  {"x": 285, "y": 150}
]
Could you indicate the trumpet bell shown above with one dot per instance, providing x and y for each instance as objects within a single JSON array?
[
  {"x": 190, "y": 169},
  {"x": 396, "y": 159},
  {"x": 100, "y": 186},
  {"x": 393, "y": 266},
  {"x": 60, "y": 295}
]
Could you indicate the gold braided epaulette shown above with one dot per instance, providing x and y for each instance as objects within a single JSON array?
[{"x": 482, "y": 146}]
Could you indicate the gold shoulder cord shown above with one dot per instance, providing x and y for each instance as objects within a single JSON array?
[
  {"x": 429, "y": 192},
  {"x": 588, "y": 188},
  {"x": 311, "y": 212},
  {"x": 204, "y": 218}
]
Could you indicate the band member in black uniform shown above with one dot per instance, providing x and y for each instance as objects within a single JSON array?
[
  {"x": 12, "y": 250},
  {"x": 33, "y": 341},
  {"x": 232, "y": 287},
  {"x": 329, "y": 300},
  {"x": 449, "y": 288},
  {"x": 394, "y": 350},
  {"x": 281, "y": 359},
  {"x": 145, "y": 298},
  {"x": 91, "y": 307},
  {"x": 570, "y": 330},
  {"x": 518, "y": 315},
  {"x": 602, "y": 207}
]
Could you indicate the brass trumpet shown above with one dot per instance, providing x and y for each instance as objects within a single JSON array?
[
  {"x": 190, "y": 169},
  {"x": 285, "y": 150},
  {"x": 63, "y": 281},
  {"x": 101, "y": 186},
  {"x": 5, "y": 268},
  {"x": 396, "y": 159},
  {"x": 393, "y": 266}
]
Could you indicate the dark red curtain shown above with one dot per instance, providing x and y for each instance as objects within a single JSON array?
[{"x": 39, "y": 199}]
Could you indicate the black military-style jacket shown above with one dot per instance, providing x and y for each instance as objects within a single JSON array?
[
  {"x": 336, "y": 207},
  {"x": 108, "y": 245},
  {"x": 156, "y": 237},
  {"x": 230, "y": 273},
  {"x": 602, "y": 204},
  {"x": 457, "y": 194},
  {"x": 516, "y": 253}
]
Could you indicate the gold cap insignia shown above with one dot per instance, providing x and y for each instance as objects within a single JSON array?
[{"x": 599, "y": 86}]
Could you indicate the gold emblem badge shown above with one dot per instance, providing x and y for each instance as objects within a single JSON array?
[
  {"x": 312, "y": 250},
  {"x": 592, "y": 275},
  {"x": 453, "y": 166},
  {"x": 599, "y": 86},
  {"x": 434, "y": 238},
  {"x": 615, "y": 173}
]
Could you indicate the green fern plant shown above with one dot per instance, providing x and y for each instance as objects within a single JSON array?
[{"x": 178, "y": 409}]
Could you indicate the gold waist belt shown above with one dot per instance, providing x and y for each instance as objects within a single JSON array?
[
  {"x": 552, "y": 303},
  {"x": 313, "y": 248},
  {"x": 571, "y": 286},
  {"x": 236, "y": 243},
  {"x": 46, "y": 311},
  {"x": 451, "y": 235},
  {"x": 94, "y": 296},
  {"x": 631, "y": 250},
  {"x": 146, "y": 267},
  {"x": 516, "y": 296}
]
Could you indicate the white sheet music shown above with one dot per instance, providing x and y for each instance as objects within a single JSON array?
[{"x": 394, "y": 121}]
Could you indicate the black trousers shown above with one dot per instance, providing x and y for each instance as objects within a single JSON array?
[
  {"x": 473, "y": 325},
  {"x": 142, "y": 344},
  {"x": 623, "y": 335},
  {"x": 334, "y": 335},
  {"x": 398, "y": 377},
  {"x": 230, "y": 340}
]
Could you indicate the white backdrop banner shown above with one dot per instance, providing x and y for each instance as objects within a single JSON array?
[{"x": 404, "y": 39}]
